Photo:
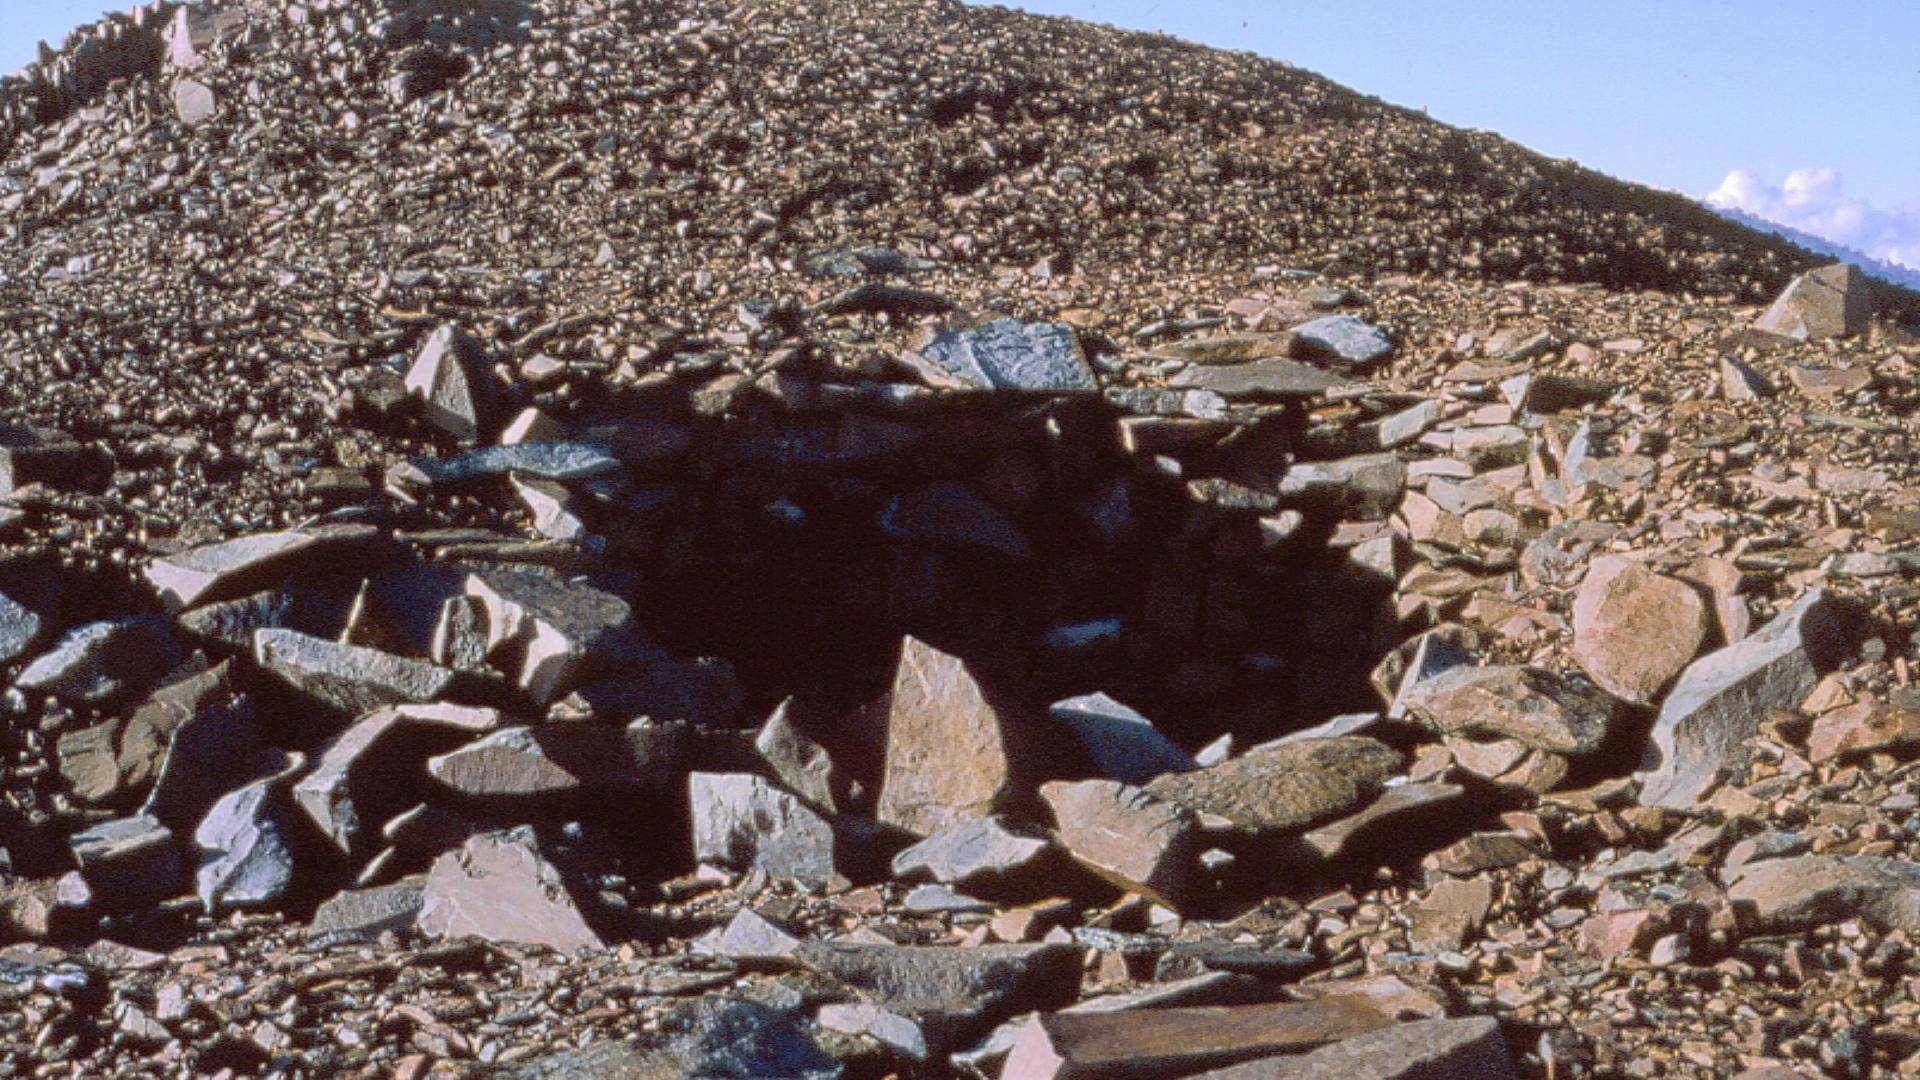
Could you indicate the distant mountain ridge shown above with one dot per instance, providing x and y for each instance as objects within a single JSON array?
[{"x": 1892, "y": 273}]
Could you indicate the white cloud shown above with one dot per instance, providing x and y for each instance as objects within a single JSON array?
[{"x": 1815, "y": 201}]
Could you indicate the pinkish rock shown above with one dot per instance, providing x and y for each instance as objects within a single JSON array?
[{"x": 1633, "y": 629}]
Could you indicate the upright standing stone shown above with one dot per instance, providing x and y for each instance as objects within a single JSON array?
[
  {"x": 948, "y": 758},
  {"x": 1827, "y": 302},
  {"x": 449, "y": 374}
]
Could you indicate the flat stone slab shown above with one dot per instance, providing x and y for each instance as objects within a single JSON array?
[
  {"x": 234, "y": 568},
  {"x": 1807, "y": 891},
  {"x": 1147, "y": 1044},
  {"x": 1008, "y": 354},
  {"x": 543, "y": 762},
  {"x": 1635, "y": 630},
  {"x": 1421, "y": 1050},
  {"x": 983, "y": 851},
  {"x": 1721, "y": 699},
  {"x": 1533, "y": 706},
  {"x": 1343, "y": 339},
  {"x": 1271, "y": 378},
  {"x": 499, "y": 887},
  {"x": 333, "y": 793},
  {"x": 351, "y": 677}
]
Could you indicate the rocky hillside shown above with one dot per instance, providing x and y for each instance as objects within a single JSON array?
[{"x": 602, "y": 538}]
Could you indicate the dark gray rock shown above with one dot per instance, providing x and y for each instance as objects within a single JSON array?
[
  {"x": 20, "y": 629},
  {"x": 1124, "y": 744},
  {"x": 561, "y": 630},
  {"x": 351, "y": 677},
  {"x": 1008, "y": 354},
  {"x": 800, "y": 763},
  {"x": 1720, "y": 700},
  {"x": 955, "y": 995},
  {"x": 983, "y": 853},
  {"x": 363, "y": 758},
  {"x": 549, "y": 460},
  {"x": 130, "y": 862},
  {"x": 234, "y": 568},
  {"x": 246, "y": 844},
  {"x": 742, "y": 822},
  {"x": 100, "y": 661},
  {"x": 365, "y": 914},
  {"x": 1342, "y": 339},
  {"x": 535, "y": 763}
]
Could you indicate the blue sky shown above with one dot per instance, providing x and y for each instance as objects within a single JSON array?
[{"x": 1799, "y": 112}]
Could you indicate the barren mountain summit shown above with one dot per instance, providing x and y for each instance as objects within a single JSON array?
[{"x": 609, "y": 538}]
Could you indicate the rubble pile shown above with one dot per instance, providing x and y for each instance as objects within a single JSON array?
[{"x": 612, "y": 539}]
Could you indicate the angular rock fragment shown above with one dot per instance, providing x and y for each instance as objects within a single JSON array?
[
  {"x": 234, "y": 568},
  {"x": 350, "y": 677},
  {"x": 20, "y": 629},
  {"x": 1828, "y": 302},
  {"x": 1124, "y": 744},
  {"x": 948, "y": 754},
  {"x": 246, "y": 844},
  {"x": 102, "y": 660},
  {"x": 1862, "y": 728},
  {"x": 749, "y": 939},
  {"x": 1287, "y": 787},
  {"x": 1538, "y": 708},
  {"x": 129, "y": 861},
  {"x": 1635, "y": 630},
  {"x": 953, "y": 994},
  {"x": 1365, "y": 487},
  {"x": 193, "y": 101},
  {"x": 1721, "y": 699},
  {"x": 976, "y": 855},
  {"x": 1275, "y": 378},
  {"x": 797, "y": 761},
  {"x": 1421, "y": 1050},
  {"x": 362, "y": 764},
  {"x": 449, "y": 374},
  {"x": 1008, "y": 354},
  {"x": 741, "y": 821},
  {"x": 113, "y": 757},
  {"x": 499, "y": 887},
  {"x": 1150, "y": 1043},
  {"x": 560, "y": 630},
  {"x": 1347, "y": 340},
  {"x": 1803, "y": 892},
  {"x": 531, "y": 763},
  {"x": 547, "y": 460},
  {"x": 1126, "y": 835},
  {"x": 365, "y": 914}
]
